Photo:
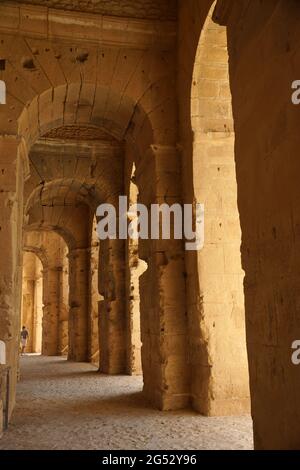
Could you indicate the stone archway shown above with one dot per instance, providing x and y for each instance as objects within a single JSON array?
[
  {"x": 220, "y": 384},
  {"x": 130, "y": 96},
  {"x": 32, "y": 299},
  {"x": 52, "y": 324},
  {"x": 141, "y": 124}
]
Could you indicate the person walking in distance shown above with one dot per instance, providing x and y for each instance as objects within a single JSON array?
[{"x": 24, "y": 339}]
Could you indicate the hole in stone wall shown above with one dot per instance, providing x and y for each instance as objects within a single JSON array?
[
  {"x": 27, "y": 63},
  {"x": 82, "y": 57}
]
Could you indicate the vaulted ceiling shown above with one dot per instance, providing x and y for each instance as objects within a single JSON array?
[{"x": 151, "y": 9}]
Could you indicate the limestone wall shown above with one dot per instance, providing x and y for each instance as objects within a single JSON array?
[
  {"x": 264, "y": 61},
  {"x": 11, "y": 200}
]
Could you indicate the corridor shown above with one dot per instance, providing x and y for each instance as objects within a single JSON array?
[{"x": 68, "y": 406}]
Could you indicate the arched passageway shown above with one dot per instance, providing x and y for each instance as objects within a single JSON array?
[
  {"x": 32, "y": 301},
  {"x": 220, "y": 382},
  {"x": 92, "y": 126},
  {"x": 91, "y": 131},
  {"x": 158, "y": 101},
  {"x": 45, "y": 310}
]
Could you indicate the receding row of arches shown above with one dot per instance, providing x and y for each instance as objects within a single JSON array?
[
  {"x": 75, "y": 167},
  {"x": 133, "y": 307}
]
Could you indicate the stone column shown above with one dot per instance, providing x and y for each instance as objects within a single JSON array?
[
  {"x": 112, "y": 319},
  {"x": 63, "y": 311},
  {"x": 51, "y": 294},
  {"x": 94, "y": 299},
  {"x": 28, "y": 310},
  {"x": 79, "y": 304},
  {"x": 11, "y": 217},
  {"x": 134, "y": 269},
  {"x": 37, "y": 322},
  {"x": 162, "y": 290}
]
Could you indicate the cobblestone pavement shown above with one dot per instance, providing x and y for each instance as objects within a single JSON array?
[{"x": 62, "y": 405}]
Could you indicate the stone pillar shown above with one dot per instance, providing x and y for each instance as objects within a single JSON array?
[
  {"x": 94, "y": 299},
  {"x": 79, "y": 304},
  {"x": 51, "y": 294},
  {"x": 162, "y": 290},
  {"x": 112, "y": 321},
  {"x": 11, "y": 217},
  {"x": 28, "y": 310},
  {"x": 134, "y": 269},
  {"x": 63, "y": 334},
  {"x": 37, "y": 322}
]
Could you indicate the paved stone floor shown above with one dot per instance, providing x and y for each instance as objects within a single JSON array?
[{"x": 65, "y": 405}]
